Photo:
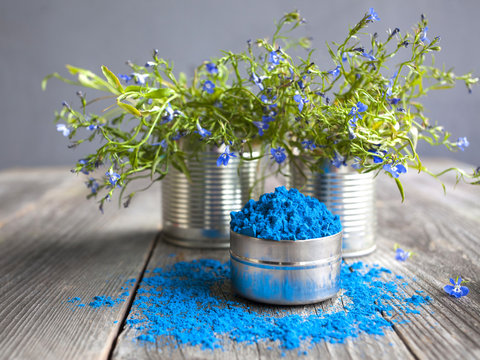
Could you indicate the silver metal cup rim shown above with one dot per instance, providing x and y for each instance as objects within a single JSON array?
[{"x": 324, "y": 238}]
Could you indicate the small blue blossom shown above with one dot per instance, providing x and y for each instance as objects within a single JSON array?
[
  {"x": 391, "y": 81},
  {"x": 423, "y": 37},
  {"x": 394, "y": 101},
  {"x": 167, "y": 114},
  {"x": 335, "y": 72},
  {"x": 355, "y": 112},
  {"x": 462, "y": 143},
  {"x": 345, "y": 54},
  {"x": 257, "y": 81},
  {"x": 113, "y": 177},
  {"x": 369, "y": 56},
  {"x": 456, "y": 289},
  {"x": 338, "y": 160},
  {"x": 150, "y": 64},
  {"x": 177, "y": 136},
  {"x": 261, "y": 125},
  {"x": 372, "y": 15},
  {"x": 212, "y": 68},
  {"x": 140, "y": 78},
  {"x": 93, "y": 127},
  {"x": 83, "y": 162},
  {"x": 224, "y": 158},
  {"x": 93, "y": 185},
  {"x": 63, "y": 129},
  {"x": 202, "y": 132},
  {"x": 126, "y": 78},
  {"x": 278, "y": 154},
  {"x": 209, "y": 87},
  {"x": 395, "y": 169},
  {"x": 301, "y": 101},
  {"x": 402, "y": 255},
  {"x": 356, "y": 163},
  {"x": 308, "y": 145},
  {"x": 377, "y": 159},
  {"x": 274, "y": 58}
]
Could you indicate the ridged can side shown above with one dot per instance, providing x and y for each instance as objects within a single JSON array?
[
  {"x": 196, "y": 213},
  {"x": 351, "y": 196},
  {"x": 286, "y": 272}
]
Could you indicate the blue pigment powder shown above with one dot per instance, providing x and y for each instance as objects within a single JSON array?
[
  {"x": 285, "y": 215},
  {"x": 190, "y": 303}
]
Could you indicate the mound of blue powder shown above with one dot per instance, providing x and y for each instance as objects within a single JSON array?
[{"x": 285, "y": 215}]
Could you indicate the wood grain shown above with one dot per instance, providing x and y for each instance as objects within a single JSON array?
[
  {"x": 54, "y": 245},
  {"x": 64, "y": 248}
]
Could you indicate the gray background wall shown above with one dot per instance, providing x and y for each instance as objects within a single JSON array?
[{"x": 38, "y": 37}]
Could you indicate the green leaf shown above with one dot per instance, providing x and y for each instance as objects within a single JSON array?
[
  {"x": 159, "y": 93},
  {"x": 112, "y": 79},
  {"x": 400, "y": 188},
  {"x": 129, "y": 108}
]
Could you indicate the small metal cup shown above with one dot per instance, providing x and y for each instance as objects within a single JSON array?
[{"x": 286, "y": 272}]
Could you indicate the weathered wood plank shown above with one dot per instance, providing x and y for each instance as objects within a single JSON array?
[
  {"x": 63, "y": 247},
  {"x": 443, "y": 232}
]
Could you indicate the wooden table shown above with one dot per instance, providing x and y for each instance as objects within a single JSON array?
[{"x": 55, "y": 245}]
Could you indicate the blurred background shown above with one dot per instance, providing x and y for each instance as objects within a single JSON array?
[{"x": 39, "y": 37}]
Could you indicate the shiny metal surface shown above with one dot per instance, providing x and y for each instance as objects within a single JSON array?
[
  {"x": 286, "y": 272},
  {"x": 351, "y": 196},
  {"x": 197, "y": 213}
]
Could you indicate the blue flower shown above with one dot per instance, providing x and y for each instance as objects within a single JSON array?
[
  {"x": 395, "y": 169},
  {"x": 261, "y": 125},
  {"x": 126, "y": 78},
  {"x": 356, "y": 163},
  {"x": 372, "y": 15},
  {"x": 113, "y": 177},
  {"x": 274, "y": 58},
  {"x": 209, "y": 87},
  {"x": 257, "y": 81},
  {"x": 423, "y": 37},
  {"x": 93, "y": 185},
  {"x": 338, "y": 160},
  {"x": 167, "y": 114},
  {"x": 377, "y": 159},
  {"x": 355, "y": 112},
  {"x": 308, "y": 145},
  {"x": 456, "y": 289},
  {"x": 301, "y": 101},
  {"x": 335, "y": 72},
  {"x": 202, "y": 132},
  {"x": 63, "y": 129},
  {"x": 150, "y": 64},
  {"x": 369, "y": 56},
  {"x": 394, "y": 101},
  {"x": 345, "y": 54},
  {"x": 462, "y": 143},
  {"x": 83, "y": 162},
  {"x": 212, "y": 68},
  {"x": 278, "y": 154},
  {"x": 402, "y": 255},
  {"x": 224, "y": 158},
  {"x": 140, "y": 78}
]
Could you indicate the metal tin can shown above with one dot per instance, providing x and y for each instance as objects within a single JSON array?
[
  {"x": 196, "y": 213},
  {"x": 285, "y": 272},
  {"x": 348, "y": 194}
]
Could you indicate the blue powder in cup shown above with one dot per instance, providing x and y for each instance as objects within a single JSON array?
[{"x": 285, "y": 215}]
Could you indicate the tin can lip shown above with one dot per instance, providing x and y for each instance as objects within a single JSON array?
[{"x": 252, "y": 238}]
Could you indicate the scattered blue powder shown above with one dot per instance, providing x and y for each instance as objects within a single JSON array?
[
  {"x": 190, "y": 303},
  {"x": 72, "y": 300},
  {"x": 285, "y": 215}
]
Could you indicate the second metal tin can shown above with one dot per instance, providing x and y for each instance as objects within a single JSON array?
[
  {"x": 285, "y": 272},
  {"x": 348, "y": 194}
]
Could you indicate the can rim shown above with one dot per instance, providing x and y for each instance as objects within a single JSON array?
[{"x": 325, "y": 238}]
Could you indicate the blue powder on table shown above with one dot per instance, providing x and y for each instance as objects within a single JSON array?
[
  {"x": 189, "y": 303},
  {"x": 285, "y": 215}
]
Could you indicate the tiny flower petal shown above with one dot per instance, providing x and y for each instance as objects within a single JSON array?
[
  {"x": 212, "y": 68},
  {"x": 278, "y": 154},
  {"x": 63, "y": 129},
  {"x": 372, "y": 15},
  {"x": 209, "y": 87}
]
